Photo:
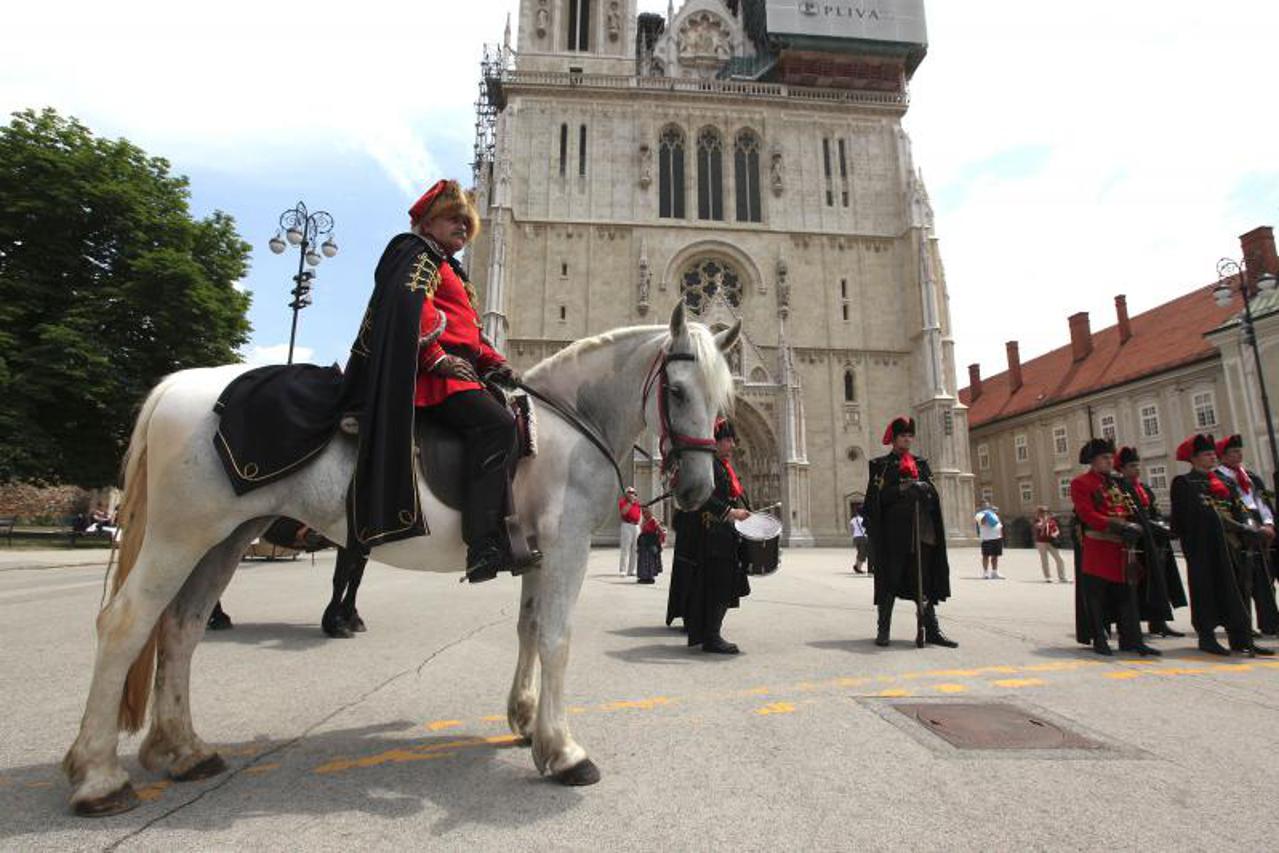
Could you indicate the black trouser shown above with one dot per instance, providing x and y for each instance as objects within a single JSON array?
[
  {"x": 1263, "y": 595},
  {"x": 1108, "y": 597},
  {"x": 488, "y": 431}
]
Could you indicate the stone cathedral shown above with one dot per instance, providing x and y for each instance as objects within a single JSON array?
[{"x": 748, "y": 158}]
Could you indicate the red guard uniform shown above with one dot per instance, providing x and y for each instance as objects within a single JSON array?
[
  {"x": 461, "y": 337},
  {"x": 1097, "y": 501}
]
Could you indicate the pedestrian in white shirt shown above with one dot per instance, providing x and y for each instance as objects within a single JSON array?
[
  {"x": 629, "y": 512},
  {"x": 857, "y": 527},
  {"x": 991, "y": 531}
]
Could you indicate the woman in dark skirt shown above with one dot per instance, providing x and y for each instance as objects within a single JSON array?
[{"x": 651, "y": 539}]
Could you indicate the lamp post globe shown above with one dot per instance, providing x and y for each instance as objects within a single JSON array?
[
  {"x": 329, "y": 248},
  {"x": 313, "y": 258},
  {"x": 294, "y": 234},
  {"x": 277, "y": 244}
]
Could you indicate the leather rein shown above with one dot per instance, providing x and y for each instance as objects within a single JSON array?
[{"x": 671, "y": 444}]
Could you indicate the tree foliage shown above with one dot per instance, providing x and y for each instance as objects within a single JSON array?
[{"x": 107, "y": 284}]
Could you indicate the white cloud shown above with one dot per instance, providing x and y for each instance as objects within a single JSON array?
[{"x": 276, "y": 354}]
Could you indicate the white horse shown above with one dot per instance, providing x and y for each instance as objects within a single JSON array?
[{"x": 185, "y": 531}]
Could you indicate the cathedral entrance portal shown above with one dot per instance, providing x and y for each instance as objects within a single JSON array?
[{"x": 756, "y": 459}]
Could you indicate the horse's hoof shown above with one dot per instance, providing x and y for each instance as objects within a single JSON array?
[
  {"x": 583, "y": 773},
  {"x": 205, "y": 769},
  {"x": 356, "y": 624},
  {"x": 220, "y": 623},
  {"x": 117, "y": 802},
  {"x": 341, "y": 632}
]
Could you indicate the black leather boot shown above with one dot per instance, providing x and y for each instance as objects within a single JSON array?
[
  {"x": 218, "y": 619},
  {"x": 885, "y": 624},
  {"x": 1208, "y": 643},
  {"x": 484, "y": 560},
  {"x": 932, "y": 630}
]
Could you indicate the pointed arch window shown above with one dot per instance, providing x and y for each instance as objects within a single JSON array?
[
  {"x": 563, "y": 149},
  {"x": 850, "y": 386},
  {"x": 579, "y": 25},
  {"x": 670, "y": 150},
  {"x": 746, "y": 171},
  {"x": 710, "y": 175},
  {"x": 704, "y": 278}
]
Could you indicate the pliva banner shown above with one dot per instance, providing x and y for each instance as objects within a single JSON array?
[{"x": 899, "y": 21}]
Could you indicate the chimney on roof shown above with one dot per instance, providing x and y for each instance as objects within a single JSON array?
[
  {"x": 1014, "y": 366},
  {"x": 1121, "y": 310},
  {"x": 1259, "y": 254},
  {"x": 1080, "y": 336},
  {"x": 974, "y": 381}
]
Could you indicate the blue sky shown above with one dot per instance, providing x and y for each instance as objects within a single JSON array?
[{"x": 1073, "y": 151}]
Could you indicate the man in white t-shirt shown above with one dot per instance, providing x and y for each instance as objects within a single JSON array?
[
  {"x": 991, "y": 531},
  {"x": 857, "y": 527}
]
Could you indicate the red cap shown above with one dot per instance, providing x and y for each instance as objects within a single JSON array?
[
  {"x": 1193, "y": 446},
  {"x": 899, "y": 426},
  {"x": 423, "y": 204},
  {"x": 1229, "y": 442}
]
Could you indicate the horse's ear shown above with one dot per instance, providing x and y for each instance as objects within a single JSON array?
[
  {"x": 726, "y": 339},
  {"x": 678, "y": 325}
]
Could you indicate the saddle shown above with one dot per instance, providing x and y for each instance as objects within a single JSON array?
[{"x": 441, "y": 456}]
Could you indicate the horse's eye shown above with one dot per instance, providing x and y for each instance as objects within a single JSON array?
[{"x": 677, "y": 393}]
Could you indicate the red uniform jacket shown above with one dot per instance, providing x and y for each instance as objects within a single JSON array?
[
  {"x": 1097, "y": 500},
  {"x": 653, "y": 526},
  {"x": 461, "y": 337},
  {"x": 629, "y": 511}
]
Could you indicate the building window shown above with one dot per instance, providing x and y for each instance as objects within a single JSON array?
[
  {"x": 1108, "y": 430},
  {"x": 1150, "y": 421},
  {"x": 1061, "y": 441},
  {"x": 704, "y": 278},
  {"x": 670, "y": 152},
  {"x": 1205, "y": 410},
  {"x": 988, "y": 494},
  {"x": 563, "y": 313},
  {"x": 843, "y": 288},
  {"x": 581, "y": 150},
  {"x": 1157, "y": 476},
  {"x": 843, "y": 172},
  {"x": 563, "y": 269},
  {"x": 844, "y": 307},
  {"x": 983, "y": 457},
  {"x": 850, "y": 387},
  {"x": 1027, "y": 493},
  {"x": 710, "y": 175},
  {"x": 579, "y": 24},
  {"x": 563, "y": 149},
  {"x": 746, "y": 172},
  {"x": 1063, "y": 487},
  {"x": 1021, "y": 448},
  {"x": 830, "y": 193}
]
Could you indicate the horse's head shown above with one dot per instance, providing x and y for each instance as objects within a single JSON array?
[{"x": 694, "y": 387}]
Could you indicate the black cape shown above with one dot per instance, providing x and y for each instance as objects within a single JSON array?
[
  {"x": 890, "y": 524},
  {"x": 1216, "y": 597},
  {"x": 276, "y": 419},
  {"x": 706, "y": 567}
]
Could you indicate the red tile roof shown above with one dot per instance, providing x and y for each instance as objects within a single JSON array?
[{"x": 1169, "y": 336}]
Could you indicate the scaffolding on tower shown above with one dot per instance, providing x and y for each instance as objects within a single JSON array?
[{"x": 495, "y": 63}]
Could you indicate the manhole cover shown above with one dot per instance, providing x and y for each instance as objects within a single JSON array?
[{"x": 992, "y": 725}]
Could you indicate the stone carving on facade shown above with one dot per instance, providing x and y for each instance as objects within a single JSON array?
[
  {"x": 614, "y": 21},
  {"x": 645, "y": 279},
  {"x": 645, "y": 166},
  {"x": 777, "y": 171},
  {"x": 543, "y": 18},
  {"x": 704, "y": 41},
  {"x": 783, "y": 286}
]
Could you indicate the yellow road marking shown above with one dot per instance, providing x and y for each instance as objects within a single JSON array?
[
  {"x": 636, "y": 704},
  {"x": 149, "y": 793},
  {"x": 41, "y": 785},
  {"x": 423, "y": 752},
  {"x": 259, "y": 769},
  {"x": 950, "y": 688},
  {"x": 494, "y": 718},
  {"x": 440, "y": 725},
  {"x": 776, "y": 708},
  {"x": 1123, "y": 675},
  {"x": 1019, "y": 682},
  {"x": 894, "y": 693}
]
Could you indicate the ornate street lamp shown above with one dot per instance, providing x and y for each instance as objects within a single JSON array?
[
  {"x": 301, "y": 228},
  {"x": 1232, "y": 277}
]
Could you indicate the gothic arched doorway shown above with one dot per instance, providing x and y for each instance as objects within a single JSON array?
[{"x": 756, "y": 458}]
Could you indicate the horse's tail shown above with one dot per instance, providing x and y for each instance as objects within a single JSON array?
[{"x": 133, "y": 521}]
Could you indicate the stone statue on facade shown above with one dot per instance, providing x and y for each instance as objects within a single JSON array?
[
  {"x": 778, "y": 172},
  {"x": 543, "y": 18},
  {"x": 645, "y": 166},
  {"x": 645, "y": 280},
  {"x": 614, "y": 22},
  {"x": 783, "y": 286}
]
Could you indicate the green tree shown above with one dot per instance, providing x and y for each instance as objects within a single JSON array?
[{"x": 107, "y": 284}]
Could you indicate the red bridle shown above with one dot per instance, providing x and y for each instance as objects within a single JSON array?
[{"x": 671, "y": 444}]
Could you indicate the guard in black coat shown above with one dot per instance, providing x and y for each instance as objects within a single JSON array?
[
  {"x": 907, "y": 535},
  {"x": 1215, "y": 535},
  {"x": 707, "y": 575},
  {"x": 1260, "y": 505},
  {"x": 1159, "y": 590}
]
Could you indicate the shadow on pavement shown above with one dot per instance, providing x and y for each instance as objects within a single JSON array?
[
  {"x": 334, "y": 773},
  {"x": 647, "y": 631},
  {"x": 865, "y": 646},
  {"x": 278, "y": 636},
  {"x": 677, "y": 651}
]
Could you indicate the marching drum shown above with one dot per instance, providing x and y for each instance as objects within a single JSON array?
[{"x": 761, "y": 537}]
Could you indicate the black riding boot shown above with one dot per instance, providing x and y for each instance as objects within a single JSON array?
[
  {"x": 932, "y": 631},
  {"x": 218, "y": 619},
  {"x": 885, "y": 624},
  {"x": 714, "y": 642}
]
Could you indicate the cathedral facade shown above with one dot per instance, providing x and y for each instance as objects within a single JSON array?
[{"x": 630, "y": 162}]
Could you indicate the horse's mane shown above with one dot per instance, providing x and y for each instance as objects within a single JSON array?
[{"x": 716, "y": 377}]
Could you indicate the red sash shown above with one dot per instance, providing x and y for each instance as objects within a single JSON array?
[
  {"x": 1218, "y": 489},
  {"x": 734, "y": 485},
  {"x": 907, "y": 467}
]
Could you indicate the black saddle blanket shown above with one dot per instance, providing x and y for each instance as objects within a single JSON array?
[{"x": 276, "y": 419}]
